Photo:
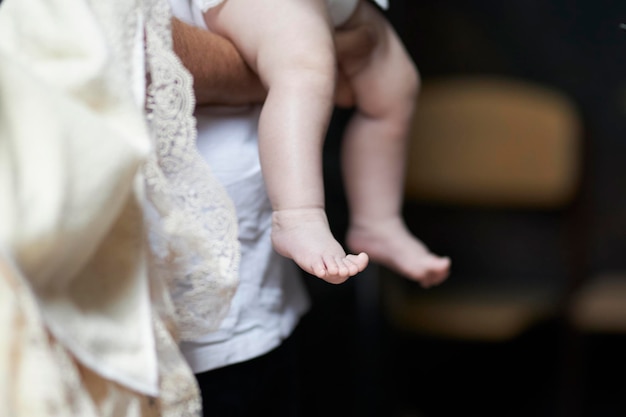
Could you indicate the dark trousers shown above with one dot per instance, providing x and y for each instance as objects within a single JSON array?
[{"x": 263, "y": 386}]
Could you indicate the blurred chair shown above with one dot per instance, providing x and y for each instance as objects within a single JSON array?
[
  {"x": 599, "y": 305},
  {"x": 492, "y": 143}
]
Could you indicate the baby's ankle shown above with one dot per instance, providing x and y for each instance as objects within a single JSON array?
[
  {"x": 301, "y": 214},
  {"x": 376, "y": 223}
]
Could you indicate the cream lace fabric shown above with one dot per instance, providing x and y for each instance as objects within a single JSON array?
[
  {"x": 41, "y": 378},
  {"x": 83, "y": 306},
  {"x": 197, "y": 245}
]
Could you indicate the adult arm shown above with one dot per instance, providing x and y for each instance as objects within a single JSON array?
[{"x": 221, "y": 76}]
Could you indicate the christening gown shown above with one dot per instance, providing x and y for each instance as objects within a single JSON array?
[{"x": 105, "y": 209}]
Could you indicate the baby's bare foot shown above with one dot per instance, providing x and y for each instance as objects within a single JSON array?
[
  {"x": 393, "y": 245},
  {"x": 304, "y": 236}
]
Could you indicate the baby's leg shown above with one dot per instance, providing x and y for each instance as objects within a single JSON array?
[
  {"x": 290, "y": 45},
  {"x": 374, "y": 155}
]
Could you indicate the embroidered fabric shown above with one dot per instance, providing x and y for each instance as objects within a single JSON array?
[
  {"x": 28, "y": 354},
  {"x": 197, "y": 247},
  {"x": 180, "y": 395}
]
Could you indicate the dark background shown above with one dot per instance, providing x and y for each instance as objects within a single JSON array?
[{"x": 354, "y": 363}]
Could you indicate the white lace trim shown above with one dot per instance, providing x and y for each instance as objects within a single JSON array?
[{"x": 197, "y": 245}]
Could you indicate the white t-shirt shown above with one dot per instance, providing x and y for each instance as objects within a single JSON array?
[
  {"x": 341, "y": 10},
  {"x": 271, "y": 296}
]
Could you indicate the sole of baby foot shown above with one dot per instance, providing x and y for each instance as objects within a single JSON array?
[{"x": 393, "y": 246}]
